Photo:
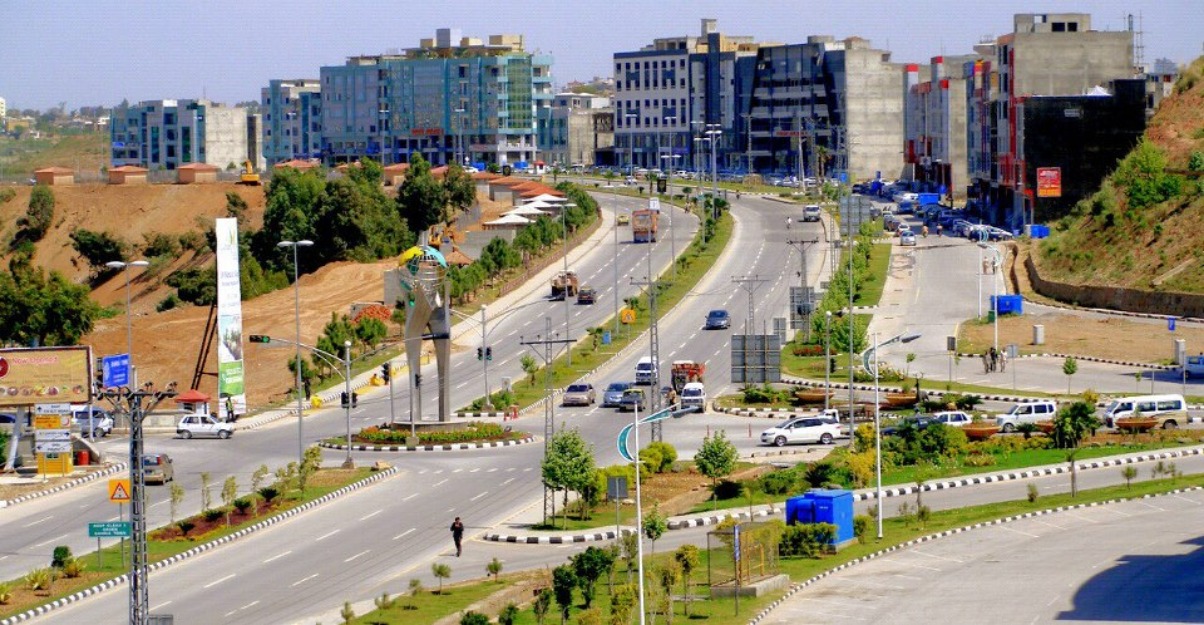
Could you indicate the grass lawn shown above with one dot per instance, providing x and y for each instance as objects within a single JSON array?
[
  {"x": 430, "y": 605},
  {"x": 871, "y": 291},
  {"x": 895, "y": 531},
  {"x": 109, "y": 562}
]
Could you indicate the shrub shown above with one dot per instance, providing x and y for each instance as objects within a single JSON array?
[
  {"x": 97, "y": 248},
  {"x": 728, "y": 489},
  {"x": 6, "y": 195},
  {"x": 185, "y": 526},
  {"x": 195, "y": 285},
  {"x": 159, "y": 244},
  {"x": 777, "y": 483},
  {"x": 668, "y": 455},
  {"x": 212, "y": 514},
  {"x": 474, "y": 432},
  {"x": 167, "y": 303},
  {"x": 6, "y": 590},
  {"x": 269, "y": 493},
  {"x": 73, "y": 568},
  {"x": 242, "y": 504},
  {"x": 39, "y": 579},
  {"x": 861, "y": 526},
  {"x": 807, "y": 540},
  {"x": 1033, "y": 493},
  {"x": 62, "y": 554}
]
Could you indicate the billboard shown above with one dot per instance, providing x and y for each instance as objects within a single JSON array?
[
  {"x": 230, "y": 380},
  {"x": 1049, "y": 182},
  {"x": 40, "y": 375}
]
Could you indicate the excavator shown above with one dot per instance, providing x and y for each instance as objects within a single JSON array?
[{"x": 249, "y": 177}]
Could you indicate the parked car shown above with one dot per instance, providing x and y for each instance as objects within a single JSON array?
[
  {"x": 101, "y": 423},
  {"x": 632, "y": 398},
  {"x": 718, "y": 320},
  {"x": 587, "y": 295},
  {"x": 1027, "y": 412},
  {"x": 614, "y": 393},
  {"x": 158, "y": 469},
  {"x": 907, "y": 238},
  {"x": 579, "y": 395},
  {"x": 630, "y": 180},
  {"x": 802, "y": 430},
  {"x": 917, "y": 422},
  {"x": 998, "y": 234},
  {"x": 952, "y": 418},
  {"x": 203, "y": 425}
]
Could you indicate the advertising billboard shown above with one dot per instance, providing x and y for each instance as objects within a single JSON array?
[
  {"x": 40, "y": 375},
  {"x": 229, "y": 317},
  {"x": 1049, "y": 182}
]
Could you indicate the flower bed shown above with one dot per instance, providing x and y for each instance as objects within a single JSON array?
[{"x": 473, "y": 433}]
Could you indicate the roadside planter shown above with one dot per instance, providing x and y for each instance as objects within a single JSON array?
[
  {"x": 1134, "y": 425},
  {"x": 980, "y": 431}
]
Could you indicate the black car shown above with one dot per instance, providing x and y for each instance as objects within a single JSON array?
[
  {"x": 587, "y": 295},
  {"x": 917, "y": 423}
]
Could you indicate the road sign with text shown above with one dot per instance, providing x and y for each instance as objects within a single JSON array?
[{"x": 109, "y": 529}]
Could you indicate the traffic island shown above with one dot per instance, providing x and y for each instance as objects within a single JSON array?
[{"x": 430, "y": 437}]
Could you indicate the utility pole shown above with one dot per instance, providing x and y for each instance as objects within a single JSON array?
[
  {"x": 801, "y": 246},
  {"x": 654, "y": 348},
  {"x": 750, "y": 285},
  {"x": 549, "y": 495}
]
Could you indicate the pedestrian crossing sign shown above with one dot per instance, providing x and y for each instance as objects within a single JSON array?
[{"x": 119, "y": 490}]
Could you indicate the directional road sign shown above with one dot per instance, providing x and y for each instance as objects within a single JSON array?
[
  {"x": 52, "y": 447},
  {"x": 116, "y": 370},
  {"x": 109, "y": 529}
]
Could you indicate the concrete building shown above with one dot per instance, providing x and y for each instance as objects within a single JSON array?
[
  {"x": 579, "y": 131},
  {"x": 128, "y": 174},
  {"x": 164, "y": 134},
  {"x": 3, "y": 111},
  {"x": 451, "y": 98},
  {"x": 838, "y": 104},
  {"x": 292, "y": 119},
  {"x": 1055, "y": 54},
  {"x": 669, "y": 92},
  {"x": 196, "y": 173},
  {"x": 935, "y": 144}
]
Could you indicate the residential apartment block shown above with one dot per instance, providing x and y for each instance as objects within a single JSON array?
[
  {"x": 292, "y": 120},
  {"x": 164, "y": 134},
  {"x": 452, "y": 98},
  {"x": 579, "y": 130},
  {"x": 3, "y": 111},
  {"x": 936, "y": 128}
]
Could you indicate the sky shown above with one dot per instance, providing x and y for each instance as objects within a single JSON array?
[{"x": 99, "y": 52}]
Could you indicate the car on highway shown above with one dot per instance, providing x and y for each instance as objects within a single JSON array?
[
  {"x": 587, "y": 295},
  {"x": 623, "y": 219},
  {"x": 632, "y": 398},
  {"x": 203, "y": 425},
  {"x": 100, "y": 424},
  {"x": 579, "y": 395},
  {"x": 998, "y": 234},
  {"x": 630, "y": 180},
  {"x": 614, "y": 393},
  {"x": 694, "y": 394},
  {"x": 907, "y": 238},
  {"x": 158, "y": 468},
  {"x": 718, "y": 320},
  {"x": 811, "y": 212},
  {"x": 822, "y": 430}
]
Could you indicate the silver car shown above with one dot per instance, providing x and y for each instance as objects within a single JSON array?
[{"x": 579, "y": 395}]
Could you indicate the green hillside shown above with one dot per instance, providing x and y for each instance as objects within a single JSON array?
[{"x": 1144, "y": 228}]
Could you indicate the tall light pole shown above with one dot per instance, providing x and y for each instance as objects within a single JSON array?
[
  {"x": 348, "y": 463},
  {"x": 568, "y": 321},
  {"x": 639, "y": 510},
  {"x": 997, "y": 262},
  {"x": 459, "y": 139},
  {"x": 630, "y": 144},
  {"x": 870, "y": 360},
  {"x": 828, "y": 362},
  {"x": 615, "y": 262},
  {"x": 297, "y": 365},
  {"x": 129, "y": 323},
  {"x": 485, "y": 355},
  {"x": 669, "y": 190},
  {"x": 714, "y": 132}
]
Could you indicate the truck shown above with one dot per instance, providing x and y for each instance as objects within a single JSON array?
[
  {"x": 684, "y": 372},
  {"x": 643, "y": 225},
  {"x": 564, "y": 284}
]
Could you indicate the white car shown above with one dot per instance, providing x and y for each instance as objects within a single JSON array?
[
  {"x": 952, "y": 418},
  {"x": 1027, "y": 412},
  {"x": 822, "y": 430},
  {"x": 694, "y": 394},
  {"x": 203, "y": 425},
  {"x": 907, "y": 238}
]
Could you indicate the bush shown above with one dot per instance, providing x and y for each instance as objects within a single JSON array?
[
  {"x": 39, "y": 579},
  {"x": 213, "y": 514},
  {"x": 97, "y": 248},
  {"x": 195, "y": 285},
  {"x": 474, "y": 432},
  {"x": 73, "y": 568},
  {"x": 777, "y": 483},
  {"x": 159, "y": 244},
  {"x": 807, "y": 540},
  {"x": 6, "y": 590},
  {"x": 242, "y": 504},
  {"x": 62, "y": 554},
  {"x": 861, "y": 526},
  {"x": 728, "y": 489},
  {"x": 185, "y": 526},
  {"x": 269, "y": 493},
  {"x": 665, "y": 453},
  {"x": 167, "y": 303}
]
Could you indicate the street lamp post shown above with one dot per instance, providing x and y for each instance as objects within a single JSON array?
[
  {"x": 870, "y": 360},
  {"x": 485, "y": 356},
  {"x": 129, "y": 323},
  {"x": 615, "y": 262},
  {"x": 639, "y": 511},
  {"x": 568, "y": 320},
  {"x": 669, "y": 190},
  {"x": 714, "y": 134},
  {"x": 297, "y": 365},
  {"x": 348, "y": 463},
  {"x": 630, "y": 144},
  {"x": 828, "y": 362}
]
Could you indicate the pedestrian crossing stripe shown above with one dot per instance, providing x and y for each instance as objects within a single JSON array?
[{"x": 119, "y": 490}]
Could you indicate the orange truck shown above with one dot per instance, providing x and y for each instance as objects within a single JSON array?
[
  {"x": 643, "y": 225},
  {"x": 686, "y": 371}
]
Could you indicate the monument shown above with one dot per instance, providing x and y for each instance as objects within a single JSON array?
[{"x": 423, "y": 276}]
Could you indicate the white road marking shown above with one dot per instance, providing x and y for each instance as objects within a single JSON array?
[
  {"x": 441, "y": 482},
  {"x": 38, "y": 521},
  {"x": 492, "y": 470},
  {"x": 474, "y": 470},
  {"x": 325, "y": 536},
  {"x": 50, "y": 541},
  {"x": 409, "y": 497},
  {"x": 161, "y": 605},
  {"x": 370, "y": 515},
  {"x": 216, "y": 582},
  {"x": 364, "y": 552},
  {"x": 302, "y": 581},
  {"x": 277, "y": 556},
  {"x": 233, "y": 612},
  {"x": 479, "y": 496},
  {"x": 403, "y": 534},
  {"x": 507, "y": 481}
]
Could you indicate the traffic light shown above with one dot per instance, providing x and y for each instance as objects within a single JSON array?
[
  {"x": 344, "y": 400},
  {"x": 488, "y": 353},
  {"x": 260, "y": 338},
  {"x": 384, "y": 372},
  {"x": 355, "y": 399},
  {"x": 480, "y": 353}
]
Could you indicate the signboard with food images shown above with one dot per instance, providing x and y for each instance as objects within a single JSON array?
[{"x": 45, "y": 375}]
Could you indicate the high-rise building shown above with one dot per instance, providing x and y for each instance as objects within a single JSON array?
[
  {"x": 164, "y": 134},
  {"x": 579, "y": 131},
  {"x": 292, "y": 119},
  {"x": 451, "y": 98}
]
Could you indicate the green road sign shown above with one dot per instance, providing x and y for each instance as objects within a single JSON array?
[{"x": 109, "y": 529}]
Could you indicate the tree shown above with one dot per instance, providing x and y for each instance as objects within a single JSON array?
[
  {"x": 589, "y": 566},
  {"x": 541, "y": 605},
  {"x": 421, "y": 200},
  {"x": 655, "y": 525},
  {"x": 347, "y": 614},
  {"x": 716, "y": 458},
  {"x": 289, "y": 215},
  {"x": 687, "y": 560},
  {"x": 473, "y": 618},
  {"x": 622, "y": 602},
  {"x": 177, "y": 495},
  {"x": 1069, "y": 367},
  {"x": 441, "y": 572},
  {"x": 494, "y": 568},
  {"x": 527, "y": 361},
  {"x": 508, "y": 615},
  {"x": 569, "y": 462},
  {"x": 415, "y": 590},
  {"x": 311, "y": 461},
  {"x": 39, "y": 216},
  {"x": 668, "y": 574},
  {"x": 49, "y": 311},
  {"x": 1073, "y": 423},
  {"x": 370, "y": 331},
  {"x": 461, "y": 190},
  {"x": 563, "y": 583},
  {"x": 206, "y": 496},
  {"x": 1128, "y": 473},
  {"x": 229, "y": 493}
]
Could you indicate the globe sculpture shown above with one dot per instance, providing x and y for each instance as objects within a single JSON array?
[{"x": 423, "y": 275}]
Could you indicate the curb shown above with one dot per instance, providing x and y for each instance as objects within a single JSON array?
[
  {"x": 798, "y": 586},
  {"x": 1110, "y": 361},
  {"x": 199, "y": 549},
  {"x": 110, "y": 470},
  {"x": 468, "y": 415},
  {"x": 536, "y": 539},
  {"x": 449, "y": 447}
]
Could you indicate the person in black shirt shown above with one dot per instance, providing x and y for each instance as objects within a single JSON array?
[{"x": 457, "y": 530}]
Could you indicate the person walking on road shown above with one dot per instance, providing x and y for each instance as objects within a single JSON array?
[
  {"x": 986, "y": 362},
  {"x": 1003, "y": 361},
  {"x": 457, "y": 530},
  {"x": 994, "y": 358}
]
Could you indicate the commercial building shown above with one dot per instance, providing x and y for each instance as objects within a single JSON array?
[
  {"x": 292, "y": 119},
  {"x": 3, "y": 111},
  {"x": 579, "y": 130},
  {"x": 452, "y": 98},
  {"x": 936, "y": 128},
  {"x": 164, "y": 134}
]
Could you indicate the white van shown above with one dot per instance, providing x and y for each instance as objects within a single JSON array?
[
  {"x": 1027, "y": 412},
  {"x": 694, "y": 394},
  {"x": 645, "y": 370},
  {"x": 1170, "y": 410}
]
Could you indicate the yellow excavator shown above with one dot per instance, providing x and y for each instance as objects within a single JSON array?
[{"x": 248, "y": 175}]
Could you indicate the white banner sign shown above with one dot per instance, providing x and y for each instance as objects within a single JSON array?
[
  {"x": 52, "y": 447},
  {"x": 230, "y": 381},
  {"x": 51, "y": 408},
  {"x": 43, "y": 436}
]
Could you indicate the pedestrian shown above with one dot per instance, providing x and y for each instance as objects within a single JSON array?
[
  {"x": 924, "y": 231},
  {"x": 986, "y": 362},
  {"x": 788, "y": 220},
  {"x": 457, "y": 530},
  {"x": 938, "y": 230},
  {"x": 1003, "y": 361},
  {"x": 994, "y": 358}
]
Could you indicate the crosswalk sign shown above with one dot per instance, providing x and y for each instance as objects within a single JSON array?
[{"x": 119, "y": 490}]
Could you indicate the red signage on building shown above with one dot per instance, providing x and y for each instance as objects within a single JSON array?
[
  {"x": 419, "y": 132},
  {"x": 1049, "y": 182}
]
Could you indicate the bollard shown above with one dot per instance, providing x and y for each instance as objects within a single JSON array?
[{"x": 750, "y": 430}]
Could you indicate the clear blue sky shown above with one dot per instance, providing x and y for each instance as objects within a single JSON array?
[{"x": 102, "y": 51}]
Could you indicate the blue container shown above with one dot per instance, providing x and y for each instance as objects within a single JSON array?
[
  {"x": 824, "y": 506},
  {"x": 1008, "y": 304}
]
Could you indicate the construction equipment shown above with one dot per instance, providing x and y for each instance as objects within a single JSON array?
[
  {"x": 643, "y": 225},
  {"x": 564, "y": 284},
  {"x": 684, "y": 372},
  {"x": 249, "y": 176}
]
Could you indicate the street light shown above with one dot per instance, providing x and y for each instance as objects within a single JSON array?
[
  {"x": 870, "y": 359},
  {"x": 828, "y": 363},
  {"x": 630, "y": 144},
  {"x": 129, "y": 324},
  {"x": 615, "y": 262},
  {"x": 669, "y": 190},
  {"x": 714, "y": 133},
  {"x": 297, "y": 316},
  {"x": 997, "y": 262}
]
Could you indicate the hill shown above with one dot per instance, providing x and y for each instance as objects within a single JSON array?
[{"x": 1144, "y": 228}]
